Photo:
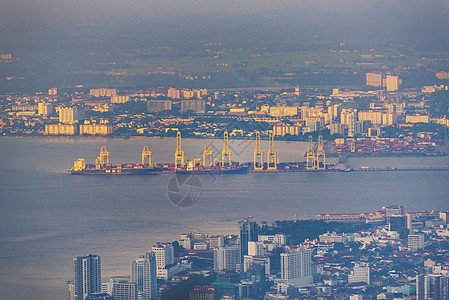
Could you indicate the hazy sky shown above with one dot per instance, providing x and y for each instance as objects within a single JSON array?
[
  {"x": 397, "y": 19},
  {"x": 48, "y": 10}
]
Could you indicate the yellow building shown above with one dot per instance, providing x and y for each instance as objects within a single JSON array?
[
  {"x": 61, "y": 129},
  {"x": 417, "y": 119},
  {"x": 174, "y": 93},
  {"x": 374, "y": 79},
  {"x": 103, "y": 92},
  {"x": 375, "y": 116},
  {"x": 70, "y": 115},
  {"x": 53, "y": 91},
  {"x": 283, "y": 111},
  {"x": 283, "y": 129},
  {"x": 393, "y": 83},
  {"x": 44, "y": 109},
  {"x": 389, "y": 119},
  {"x": 96, "y": 129},
  {"x": 120, "y": 98}
]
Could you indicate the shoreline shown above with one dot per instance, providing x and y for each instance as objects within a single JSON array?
[{"x": 136, "y": 138}]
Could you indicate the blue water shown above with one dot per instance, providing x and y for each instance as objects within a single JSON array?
[{"x": 46, "y": 217}]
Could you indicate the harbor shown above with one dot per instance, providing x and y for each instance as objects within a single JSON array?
[{"x": 208, "y": 164}]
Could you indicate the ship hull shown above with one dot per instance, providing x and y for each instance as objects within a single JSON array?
[
  {"x": 113, "y": 172},
  {"x": 241, "y": 170}
]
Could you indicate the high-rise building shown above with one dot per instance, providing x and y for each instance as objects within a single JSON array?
[
  {"x": 86, "y": 275},
  {"x": 216, "y": 241},
  {"x": 283, "y": 129},
  {"x": 164, "y": 254},
  {"x": 279, "y": 238},
  {"x": 389, "y": 119},
  {"x": 415, "y": 241},
  {"x": 255, "y": 248},
  {"x": 53, "y": 91},
  {"x": 397, "y": 223},
  {"x": 120, "y": 288},
  {"x": 143, "y": 273},
  {"x": 70, "y": 290},
  {"x": 247, "y": 289},
  {"x": 374, "y": 79},
  {"x": 432, "y": 286},
  {"x": 96, "y": 129},
  {"x": 417, "y": 119},
  {"x": 124, "y": 290},
  {"x": 337, "y": 128},
  {"x": 202, "y": 293},
  {"x": 261, "y": 260},
  {"x": 375, "y": 116},
  {"x": 296, "y": 267},
  {"x": 120, "y": 98},
  {"x": 394, "y": 210},
  {"x": 158, "y": 105},
  {"x": 70, "y": 115},
  {"x": 226, "y": 258},
  {"x": 349, "y": 118},
  {"x": 103, "y": 92},
  {"x": 44, "y": 109},
  {"x": 255, "y": 272},
  {"x": 392, "y": 83},
  {"x": 360, "y": 273},
  {"x": 248, "y": 233},
  {"x": 61, "y": 129},
  {"x": 173, "y": 93},
  {"x": 198, "y": 106}
]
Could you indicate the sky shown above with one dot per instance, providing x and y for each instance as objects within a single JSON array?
[
  {"x": 26, "y": 23},
  {"x": 24, "y": 13}
]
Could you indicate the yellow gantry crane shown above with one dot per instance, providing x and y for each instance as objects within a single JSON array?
[
  {"x": 310, "y": 154},
  {"x": 258, "y": 154},
  {"x": 103, "y": 159},
  {"x": 320, "y": 162},
  {"x": 226, "y": 153},
  {"x": 207, "y": 155},
  {"x": 179, "y": 154},
  {"x": 272, "y": 156},
  {"x": 146, "y": 153}
]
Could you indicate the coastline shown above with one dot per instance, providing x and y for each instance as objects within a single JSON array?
[{"x": 104, "y": 138}]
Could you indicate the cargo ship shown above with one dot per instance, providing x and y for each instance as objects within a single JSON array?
[
  {"x": 102, "y": 166},
  {"x": 109, "y": 169},
  {"x": 234, "y": 168}
]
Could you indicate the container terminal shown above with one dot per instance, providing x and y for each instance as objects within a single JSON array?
[{"x": 315, "y": 162}]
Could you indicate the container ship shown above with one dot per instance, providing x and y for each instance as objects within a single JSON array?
[
  {"x": 316, "y": 161},
  {"x": 109, "y": 169},
  {"x": 234, "y": 168}
]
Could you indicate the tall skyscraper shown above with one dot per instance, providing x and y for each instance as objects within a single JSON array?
[
  {"x": 86, "y": 275},
  {"x": 296, "y": 267},
  {"x": 349, "y": 117},
  {"x": 226, "y": 258},
  {"x": 415, "y": 241},
  {"x": 432, "y": 286},
  {"x": 248, "y": 233},
  {"x": 164, "y": 253},
  {"x": 393, "y": 83},
  {"x": 143, "y": 273}
]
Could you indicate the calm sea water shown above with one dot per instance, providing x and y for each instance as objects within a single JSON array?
[{"x": 46, "y": 217}]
